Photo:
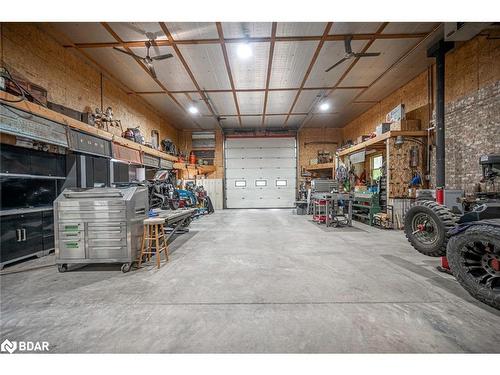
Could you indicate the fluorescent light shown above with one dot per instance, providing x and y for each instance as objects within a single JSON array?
[
  {"x": 244, "y": 51},
  {"x": 193, "y": 110},
  {"x": 324, "y": 106}
]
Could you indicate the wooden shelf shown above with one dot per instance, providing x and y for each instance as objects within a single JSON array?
[
  {"x": 374, "y": 143},
  {"x": 203, "y": 149},
  {"x": 200, "y": 169},
  {"x": 320, "y": 167},
  {"x": 78, "y": 125}
]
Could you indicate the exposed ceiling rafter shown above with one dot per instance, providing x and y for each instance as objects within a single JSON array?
[
  {"x": 269, "y": 67},
  {"x": 188, "y": 70},
  {"x": 161, "y": 85},
  {"x": 112, "y": 77},
  {"x": 309, "y": 69},
  {"x": 166, "y": 42},
  {"x": 228, "y": 68}
]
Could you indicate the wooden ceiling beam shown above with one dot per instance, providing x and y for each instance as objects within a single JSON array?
[
  {"x": 309, "y": 69},
  {"x": 189, "y": 71},
  {"x": 404, "y": 56},
  {"x": 269, "y": 67},
  {"x": 112, "y": 77},
  {"x": 252, "y": 90},
  {"x": 365, "y": 48},
  {"x": 161, "y": 85},
  {"x": 268, "y": 114},
  {"x": 228, "y": 68},
  {"x": 166, "y": 42}
]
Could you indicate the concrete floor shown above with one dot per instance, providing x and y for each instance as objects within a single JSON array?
[{"x": 253, "y": 281}]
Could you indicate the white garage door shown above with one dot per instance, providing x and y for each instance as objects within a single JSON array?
[{"x": 260, "y": 172}]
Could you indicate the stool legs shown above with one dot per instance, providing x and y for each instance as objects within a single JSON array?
[
  {"x": 157, "y": 245},
  {"x": 153, "y": 237},
  {"x": 144, "y": 239}
]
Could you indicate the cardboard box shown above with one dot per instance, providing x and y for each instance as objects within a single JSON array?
[{"x": 406, "y": 125}]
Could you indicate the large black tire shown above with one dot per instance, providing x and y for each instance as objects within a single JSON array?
[
  {"x": 474, "y": 256},
  {"x": 436, "y": 220}
]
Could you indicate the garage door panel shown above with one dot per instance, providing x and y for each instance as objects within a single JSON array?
[
  {"x": 250, "y": 175},
  {"x": 258, "y": 192},
  {"x": 263, "y": 163},
  {"x": 251, "y": 186},
  {"x": 238, "y": 153},
  {"x": 260, "y": 143},
  {"x": 260, "y": 160},
  {"x": 256, "y": 200}
]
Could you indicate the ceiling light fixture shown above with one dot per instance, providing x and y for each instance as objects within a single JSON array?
[
  {"x": 324, "y": 106},
  {"x": 193, "y": 110},
  {"x": 244, "y": 51}
]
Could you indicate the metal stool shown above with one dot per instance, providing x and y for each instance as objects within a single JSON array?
[{"x": 153, "y": 233}]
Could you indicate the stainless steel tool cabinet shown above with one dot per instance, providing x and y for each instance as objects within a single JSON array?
[{"x": 99, "y": 225}]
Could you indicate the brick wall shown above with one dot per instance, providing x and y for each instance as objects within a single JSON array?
[
  {"x": 73, "y": 81},
  {"x": 472, "y": 126}
]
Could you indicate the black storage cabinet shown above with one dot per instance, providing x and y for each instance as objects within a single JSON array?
[{"x": 30, "y": 180}]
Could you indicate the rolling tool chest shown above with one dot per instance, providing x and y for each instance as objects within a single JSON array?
[{"x": 99, "y": 225}]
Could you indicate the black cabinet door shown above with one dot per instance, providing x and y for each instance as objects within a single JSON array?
[
  {"x": 46, "y": 164},
  {"x": 21, "y": 235},
  {"x": 14, "y": 160},
  {"x": 101, "y": 171},
  {"x": 48, "y": 229},
  {"x": 96, "y": 171}
]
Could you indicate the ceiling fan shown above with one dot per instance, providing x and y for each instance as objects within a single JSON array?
[
  {"x": 349, "y": 54},
  {"x": 148, "y": 60}
]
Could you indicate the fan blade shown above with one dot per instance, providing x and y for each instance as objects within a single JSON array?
[
  {"x": 128, "y": 53},
  {"x": 162, "y": 57},
  {"x": 347, "y": 45},
  {"x": 337, "y": 63},
  {"x": 370, "y": 54},
  {"x": 152, "y": 70}
]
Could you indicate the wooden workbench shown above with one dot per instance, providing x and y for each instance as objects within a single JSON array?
[{"x": 397, "y": 158}]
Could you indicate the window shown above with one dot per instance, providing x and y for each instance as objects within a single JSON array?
[
  {"x": 260, "y": 182},
  {"x": 240, "y": 183},
  {"x": 281, "y": 182},
  {"x": 377, "y": 162}
]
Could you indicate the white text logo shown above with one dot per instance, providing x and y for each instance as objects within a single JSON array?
[{"x": 24, "y": 346}]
